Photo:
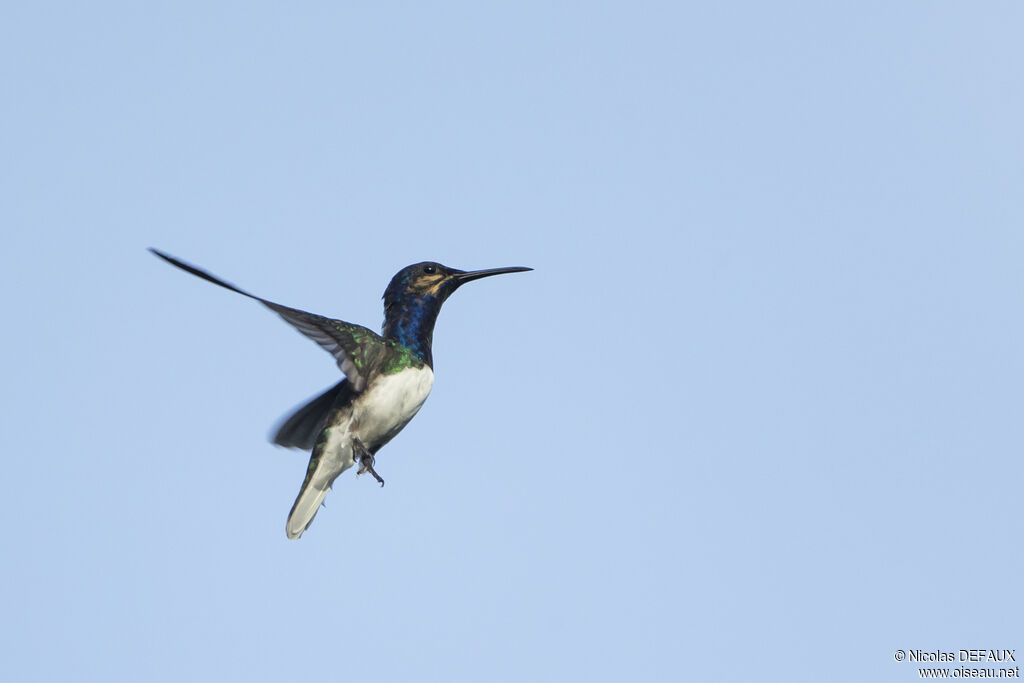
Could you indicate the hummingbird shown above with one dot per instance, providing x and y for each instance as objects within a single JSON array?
[{"x": 387, "y": 376}]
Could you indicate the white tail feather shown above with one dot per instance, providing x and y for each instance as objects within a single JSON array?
[
  {"x": 305, "y": 509},
  {"x": 333, "y": 456}
]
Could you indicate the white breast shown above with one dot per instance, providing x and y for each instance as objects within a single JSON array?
[
  {"x": 375, "y": 417},
  {"x": 389, "y": 403}
]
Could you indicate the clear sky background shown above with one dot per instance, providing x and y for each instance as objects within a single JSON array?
[{"x": 755, "y": 416}]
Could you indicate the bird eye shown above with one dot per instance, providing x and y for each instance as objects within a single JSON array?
[{"x": 429, "y": 270}]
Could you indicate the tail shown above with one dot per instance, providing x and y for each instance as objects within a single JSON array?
[
  {"x": 325, "y": 465},
  {"x": 305, "y": 509}
]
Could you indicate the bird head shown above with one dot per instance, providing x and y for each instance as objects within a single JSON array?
[{"x": 435, "y": 281}]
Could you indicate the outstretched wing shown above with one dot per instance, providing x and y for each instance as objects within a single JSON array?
[{"x": 354, "y": 347}]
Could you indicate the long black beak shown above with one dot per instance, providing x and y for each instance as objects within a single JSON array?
[{"x": 462, "y": 278}]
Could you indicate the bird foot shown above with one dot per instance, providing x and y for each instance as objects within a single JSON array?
[{"x": 365, "y": 458}]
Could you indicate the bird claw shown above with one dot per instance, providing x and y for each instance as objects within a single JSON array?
[
  {"x": 368, "y": 467},
  {"x": 366, "y": 459}
]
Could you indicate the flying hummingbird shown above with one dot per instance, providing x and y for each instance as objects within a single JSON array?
[{"x": 387, "y": 376}]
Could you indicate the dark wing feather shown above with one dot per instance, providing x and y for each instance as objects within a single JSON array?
[
  {"x": 302, "y": 428},
  {"x": 351, "y": 345}
]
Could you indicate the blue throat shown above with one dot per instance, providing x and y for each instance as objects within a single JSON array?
[{"x": 409, "y": 320}]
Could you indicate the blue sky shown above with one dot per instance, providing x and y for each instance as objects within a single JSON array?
[{"x": 754, "y": 416}]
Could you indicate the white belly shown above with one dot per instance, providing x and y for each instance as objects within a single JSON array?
[
  {"x": 389, "y": 403},
  {"x": 375, "y": 417}
]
